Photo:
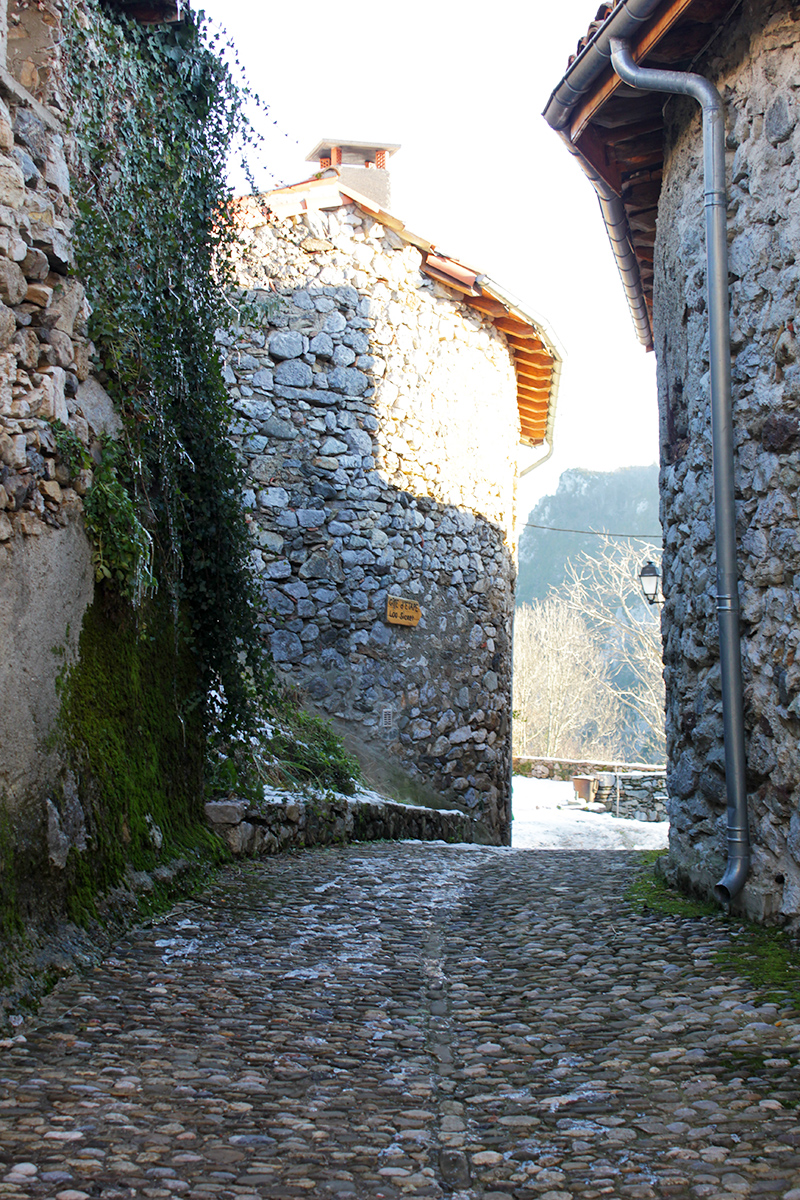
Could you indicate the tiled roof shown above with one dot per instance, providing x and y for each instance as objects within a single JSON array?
[
  {"x": 603, "y": 12},
  {"x": 537, "y": 361},
  {"x": 617, "y": 132}
]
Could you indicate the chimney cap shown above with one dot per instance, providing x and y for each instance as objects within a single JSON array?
[{"x": 353, "y": 153}]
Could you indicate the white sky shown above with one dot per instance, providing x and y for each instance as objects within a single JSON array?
[{"x": 480, "y": 173}]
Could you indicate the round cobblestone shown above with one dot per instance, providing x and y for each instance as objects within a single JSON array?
[{"x": 411, "y": 1020}]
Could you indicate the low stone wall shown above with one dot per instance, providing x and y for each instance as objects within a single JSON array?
[
  {"x": 277, "y": 825},
  {"x": 642, "y": 788}
]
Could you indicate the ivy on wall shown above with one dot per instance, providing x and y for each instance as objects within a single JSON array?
[{"x": 153, "y": 113}]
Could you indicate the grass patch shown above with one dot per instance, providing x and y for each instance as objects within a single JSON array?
[
  {"x": 650, "y": 892},
  {"x": 289, "y": 748},
  {"x": 768, "y": 958}
]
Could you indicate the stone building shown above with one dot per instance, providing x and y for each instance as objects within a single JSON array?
[
  {"x": 643, "y": 152},
  {"x": 46, "y": 577},
  {"x": 380, "y": 405},
  {"x": 47, "y": 392}
]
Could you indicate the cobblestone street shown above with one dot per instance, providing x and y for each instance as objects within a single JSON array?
[{"x": 408, "y": 1020}]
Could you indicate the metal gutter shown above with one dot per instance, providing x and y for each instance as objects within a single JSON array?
[
  {"x": 625, "y": 21},
  {"x": 618, "y": 230},
  {"x": 685, "y": 84},
  {"x": 539, "y": 462}
]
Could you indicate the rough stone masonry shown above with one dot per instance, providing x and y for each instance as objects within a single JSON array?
[
  {"x": 376, "y": 415},
  {"x": 46, "y": 577},
  {"x": 754, "y": 64}
]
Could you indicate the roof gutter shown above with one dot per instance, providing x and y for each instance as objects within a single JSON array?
[
  {"x": 618, "y": 230},
  {"x": 625, "y": 22}
]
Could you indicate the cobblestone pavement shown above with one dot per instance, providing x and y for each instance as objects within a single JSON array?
[{"x": 408, "y": 1020}]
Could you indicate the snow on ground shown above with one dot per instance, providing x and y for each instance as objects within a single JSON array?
[{"x": 544, "y": 819}]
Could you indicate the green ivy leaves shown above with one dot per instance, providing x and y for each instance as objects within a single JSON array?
[
  {"x": 154, "y": 112},
  {"x": 122, "y": 548}
]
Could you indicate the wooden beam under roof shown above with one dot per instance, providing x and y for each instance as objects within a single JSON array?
[
  {"x": 539, "y": 363},
  {"x": 533, "y": 366},
  {"x": 594, "y": 152},
  {"x": 487, "y": 305},
  {"x": 539, "y": 378},
  {"x": 531, "y": 346},
  {"x": 636, "y": 129},
  {"x": 516, "y": 329},
  {"x": 638, "y": 154},
  {"x": 533, "y": 370}
]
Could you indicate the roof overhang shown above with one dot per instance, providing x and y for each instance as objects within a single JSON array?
[
  {"x": 617, "y": 132},
  {"x": 535, "y": 354}
]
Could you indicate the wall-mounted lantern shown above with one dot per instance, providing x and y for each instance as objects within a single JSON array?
[{"x": 650, "y": 579}]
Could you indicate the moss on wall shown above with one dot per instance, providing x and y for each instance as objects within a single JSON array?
[
  {"x": 10, "y": 923},
  {"x": 136, "y": 746}
]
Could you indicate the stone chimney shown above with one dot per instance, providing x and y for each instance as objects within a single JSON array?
[{"x": 362, "y": 165}]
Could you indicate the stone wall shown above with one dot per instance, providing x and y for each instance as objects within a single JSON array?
[
  {"x": 754, "y": 63},
  {"x": 274, "y": 825},
  {"x": 633, "y": 791},
  {"x": 376, "y": 414},
  {"x": 53, "y": 415},
  {"x": 46, "y": 579}
]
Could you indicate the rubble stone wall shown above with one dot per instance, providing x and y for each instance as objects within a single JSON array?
[
  {"x": 273, "y": 826},
  {"x": 47, "y": 396},
  {"x": 754, "y": 64},
  {"x": 46, "y": 579},
  {"x": 376, "y": 414}
]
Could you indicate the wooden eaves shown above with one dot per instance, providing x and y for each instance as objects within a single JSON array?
[
  {"x": 537, "y": 360},
  {"x": 617, "y": 132}
]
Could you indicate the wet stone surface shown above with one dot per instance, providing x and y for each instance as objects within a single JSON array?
[{"x": 408, "y": 1020}]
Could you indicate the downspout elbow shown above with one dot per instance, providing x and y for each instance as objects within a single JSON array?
[
  {"x": 539, "y": 462},
  {"x": 681, "y": 83},
  {"x": 736, "y": 871}
]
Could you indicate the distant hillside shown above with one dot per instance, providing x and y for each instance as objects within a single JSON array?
[{"x": 621, "y": 501}]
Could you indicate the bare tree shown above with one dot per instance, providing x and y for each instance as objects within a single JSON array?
[
  {"x": 604, "y": 590},
  {"x": 564, "y": 706}
]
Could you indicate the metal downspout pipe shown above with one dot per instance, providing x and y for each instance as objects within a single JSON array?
[{"x": 710, "y": 101}]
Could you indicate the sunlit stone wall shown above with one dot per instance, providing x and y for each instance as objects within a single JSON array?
[{"x": 377, "y": 416}]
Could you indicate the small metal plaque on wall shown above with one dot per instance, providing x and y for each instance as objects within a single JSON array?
[{"x": 402, "y": 612}]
